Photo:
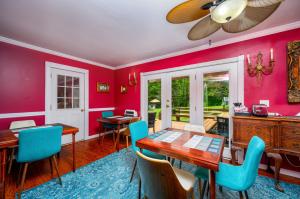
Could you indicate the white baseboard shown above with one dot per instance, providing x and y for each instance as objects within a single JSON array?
[{"x": 97, "y": 135}]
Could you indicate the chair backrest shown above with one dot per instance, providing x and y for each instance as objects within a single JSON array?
[
  {"x": 195, "y": 128},
  {"x": 106, "y": 114},
  {"x": 250, "y": 166},
  {"x": 151, "y": 118},
  {"x": 138, "y": 130},
  {"x": 22, "y": 124},
  {"x": 39, "y": 143},
  {"x": 158, "y": 178}
]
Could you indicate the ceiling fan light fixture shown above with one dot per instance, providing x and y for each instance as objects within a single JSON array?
[{"x": 228, "y": 10}]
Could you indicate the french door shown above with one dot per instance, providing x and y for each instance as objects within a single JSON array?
[{"x": 202, "y": 96}]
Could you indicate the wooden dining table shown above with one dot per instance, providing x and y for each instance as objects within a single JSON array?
[
  {"x": 9, "y": 138},
  {"x": 114, "y": 120},
  {"x": 176, "y": 149}
]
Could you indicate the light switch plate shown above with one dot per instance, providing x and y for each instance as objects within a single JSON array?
[{"x": 265, "y": 102}]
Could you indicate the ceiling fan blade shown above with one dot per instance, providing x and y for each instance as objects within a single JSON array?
[
  {"x": 188, "y": 11},
  {"x": 203, "y": 28},
  {"x": 249, "y": 18},
  {"x": 262, "y": 3}
]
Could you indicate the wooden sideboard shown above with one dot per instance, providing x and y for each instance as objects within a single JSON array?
[{"x": 281, "y": 135}]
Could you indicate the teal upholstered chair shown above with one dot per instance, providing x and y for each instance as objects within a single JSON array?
[
  {"x": 37, "y": 144},
  {"x": 139, "y": 130},
  {"x": 238, "y": 178}
]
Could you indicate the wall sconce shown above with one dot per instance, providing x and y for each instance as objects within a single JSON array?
[
  {"x": 132, "y": 81},
  {"x": 260, "y": 69},
  {"x": 123, "y": 89}
]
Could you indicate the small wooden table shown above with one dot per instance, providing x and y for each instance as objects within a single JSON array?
[
  {"x": 176, "y": 150},
  {"x": 116, "y": 120},
  {"x": 9, "y": 139}
]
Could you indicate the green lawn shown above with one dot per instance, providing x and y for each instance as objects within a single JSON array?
[{"x": 185, "y": 119}]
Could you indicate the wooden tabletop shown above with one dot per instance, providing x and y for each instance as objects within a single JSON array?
[
  {"x": 8, "y": 138},
  {"x": 176, "y": 149}
]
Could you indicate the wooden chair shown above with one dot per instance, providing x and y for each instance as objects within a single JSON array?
[
  {"x": 162, "y": 181},
  {"x": 17, "y": 125},
  {"x": 151, "y": 120},
  {"x": 126, "y": 132}
]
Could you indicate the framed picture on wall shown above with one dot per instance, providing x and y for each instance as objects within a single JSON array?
[
  {"x": 102, "y": 87},
  {"x": 294, "y": 72}
]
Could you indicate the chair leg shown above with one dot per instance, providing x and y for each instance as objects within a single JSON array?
[
  {"x": 132, "y": 173},
  {"x": 51, "y": 166},
  {"x": 246, "y": 194},
  {"x": 241, "y": 195},
  {"x": 203, "y": 189},
  {"x": 127, "y": 141},
  {"x": 23, "y": 180},
  {"x": 180, "y": 164},
  {"x": 56, "y": 168},
  {"x": 200, "y": 185},
  {"x": 19, "y": 175},
  {"x": 11, "y": 160},
  {"x": 221, "y": 189},
  {"x": 140, "y": 187}
]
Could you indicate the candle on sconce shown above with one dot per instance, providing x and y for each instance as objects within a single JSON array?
[
  {"x": 129, "y": 75},
  {"x": 271, "y": 52},
  {"x": 249, "y": 61},
  {"x": 134, "y": 77}
]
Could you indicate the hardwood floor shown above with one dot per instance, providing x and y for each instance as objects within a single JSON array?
[{"x": 86, "y": 152}]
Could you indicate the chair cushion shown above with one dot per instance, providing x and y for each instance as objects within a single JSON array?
[
  {"x": 151, "y": 154},
  {"x": 230, "y": 176},
  {"x": 186, "y": 179},
  {"x": 201, "y": 173}
]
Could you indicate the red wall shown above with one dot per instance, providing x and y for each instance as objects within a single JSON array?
[
  {"x": 273, "y": 87},
  {"x": 22, "y": 83}
]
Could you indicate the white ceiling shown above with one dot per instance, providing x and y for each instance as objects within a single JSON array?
[{"x": 112, "y": 32}]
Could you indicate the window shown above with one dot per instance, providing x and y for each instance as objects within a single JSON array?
[{"x": 67, "y": 92}]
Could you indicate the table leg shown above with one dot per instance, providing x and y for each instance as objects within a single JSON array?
[
  {"x": 212, "y": 184},
  {"x": 117, "y": 143},
  {"x": 74, "y": 155},
  {"x": 3, "y": 171}
]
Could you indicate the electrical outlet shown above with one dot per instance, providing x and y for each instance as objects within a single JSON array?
[{"x": 265, "y": 102}]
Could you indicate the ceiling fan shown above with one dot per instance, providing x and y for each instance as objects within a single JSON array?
[{"x": 232, "y": 16}]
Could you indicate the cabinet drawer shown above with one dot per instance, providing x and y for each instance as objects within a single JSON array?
[
  {"x": 289, "y": 136},
  {"x": 244, "y": 130}
]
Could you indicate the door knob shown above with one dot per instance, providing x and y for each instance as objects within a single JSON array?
[{"x": 81, "y": 110}]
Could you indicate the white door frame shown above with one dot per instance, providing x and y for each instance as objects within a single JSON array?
[{"x": 48, "y": 66}]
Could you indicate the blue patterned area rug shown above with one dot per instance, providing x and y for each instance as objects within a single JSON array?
[{"x": 109, "y": 178}]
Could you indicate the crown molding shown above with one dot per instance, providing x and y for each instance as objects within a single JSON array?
[
  {"x": 52, "y": 52},
  {"x": 253, "y": 35}
]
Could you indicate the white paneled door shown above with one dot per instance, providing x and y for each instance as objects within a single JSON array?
[{"x": 67, "y": 100}]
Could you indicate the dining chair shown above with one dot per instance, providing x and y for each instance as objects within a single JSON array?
[
  {"x": 238, "y": 178},
  {"x": 126, "y": 132},
  {"x": 106, "y": 126},
  {"x": 151, "y": 120},
  {"x": 139, "y": 130},
  {"x": 37, "y": 144},
  {"x": 162, "y": 181},
  {"x": 17, "y": 125}
]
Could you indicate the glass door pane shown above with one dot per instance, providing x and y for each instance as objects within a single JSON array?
[
  {"x": 154, "y": 105},
  {"x": 180, "y": 101},
  {"x": 216, "y": 107}
]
